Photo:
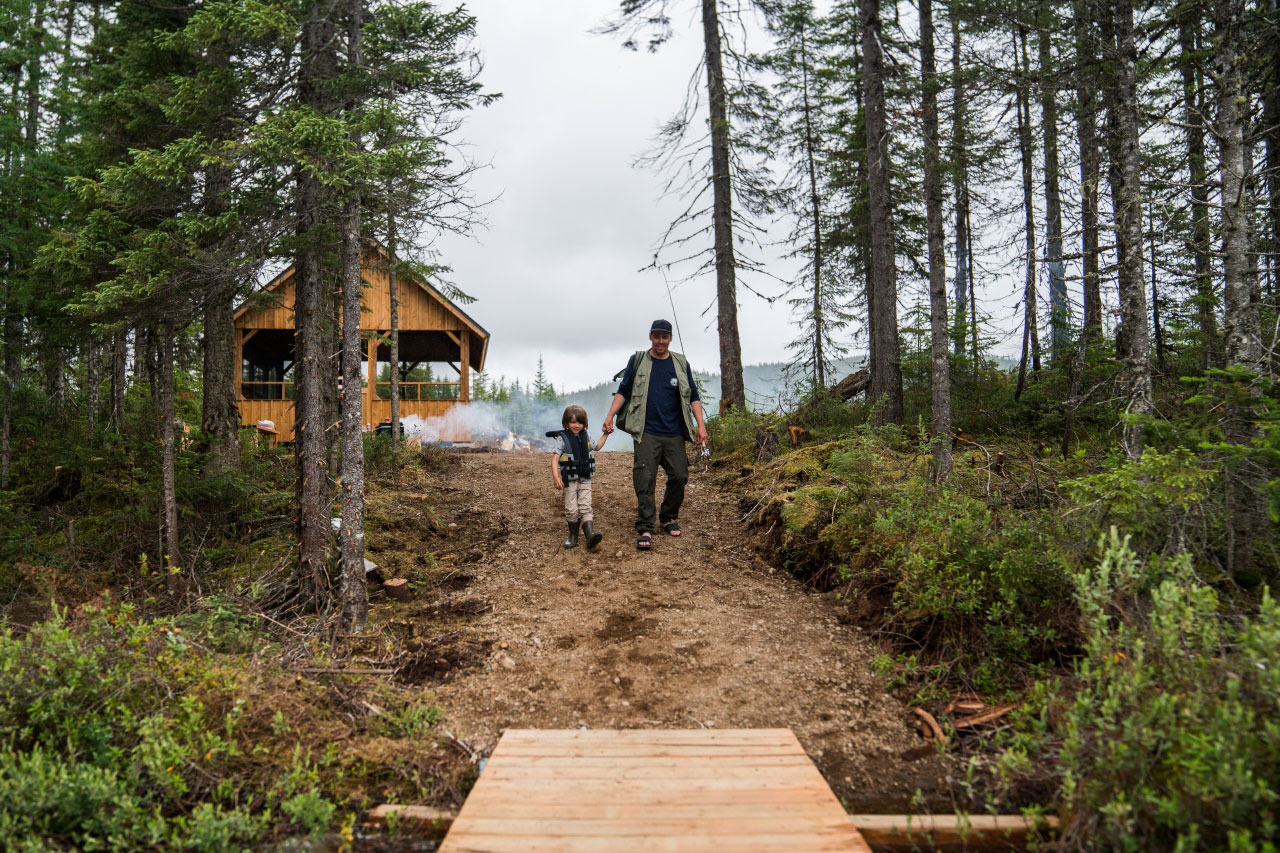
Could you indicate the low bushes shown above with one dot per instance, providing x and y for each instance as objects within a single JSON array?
[
  {"x": 124, "y": 733},
  {"x": 953, "y": 577},
  {"x": 1171, "y": 740},
  {"x": 1147, "y": 683},
  {"x": 119, "y": 734}
]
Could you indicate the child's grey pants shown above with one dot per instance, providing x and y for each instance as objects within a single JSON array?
[{"x": 577, "y": 501}]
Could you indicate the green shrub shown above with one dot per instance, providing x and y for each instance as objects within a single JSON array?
[
  {"x": 962, "y": 580},
  {"x": 1172, "y": 741},
  {"x": 109, "y": 741},
  {"x": 736, "y": 430},
  {"x": 1162, "y": 497}
]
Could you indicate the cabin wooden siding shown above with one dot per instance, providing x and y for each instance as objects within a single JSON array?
[{"x": 420, "y": 309}]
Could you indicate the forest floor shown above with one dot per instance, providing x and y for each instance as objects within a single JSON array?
[{"x": 701, "y": 631}]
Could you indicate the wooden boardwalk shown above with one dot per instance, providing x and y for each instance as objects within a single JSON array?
[{"x": 602, "y": 790}]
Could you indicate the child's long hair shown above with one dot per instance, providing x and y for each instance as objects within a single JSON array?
[{"x": 574, "y": 413}]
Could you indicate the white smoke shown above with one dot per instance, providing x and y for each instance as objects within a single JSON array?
[{"x": 519, "y": 424}]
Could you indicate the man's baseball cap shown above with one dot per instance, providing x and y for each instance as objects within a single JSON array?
[{"x": 660, "y": 326}]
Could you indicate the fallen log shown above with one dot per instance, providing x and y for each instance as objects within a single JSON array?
[
  {"x": 985, "y": 717},
  {"x": 852, "y": 385},
  {"x": 416, "y": 817},
  {"x": 951, "y": 832}
]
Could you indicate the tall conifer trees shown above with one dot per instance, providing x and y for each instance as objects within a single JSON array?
[
  {"x": 1119, "y": 49},
  {"x": 940, "y": 372},
  {"x": 882, "y": 286}
]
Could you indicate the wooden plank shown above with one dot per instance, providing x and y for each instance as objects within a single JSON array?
[
  {"x": 700, "y": 790},
  {"x": 816, "y": 843}
]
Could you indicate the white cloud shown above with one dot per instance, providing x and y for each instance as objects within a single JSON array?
[{"x": 557, "y": 271}]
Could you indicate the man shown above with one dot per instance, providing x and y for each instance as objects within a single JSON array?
[{"x": 660, "y": 407}]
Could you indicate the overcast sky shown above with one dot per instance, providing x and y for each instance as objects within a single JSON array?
[{"x": 557, "y": 269}]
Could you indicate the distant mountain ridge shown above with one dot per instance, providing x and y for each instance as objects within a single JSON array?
[{"x": 766, "y": 384}]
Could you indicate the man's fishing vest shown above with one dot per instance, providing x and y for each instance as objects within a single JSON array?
[
  {"x": 570, "y": 468},
  {"x": 634, "y": 410}
]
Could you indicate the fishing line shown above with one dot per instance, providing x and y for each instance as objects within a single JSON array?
[{"x": 674, "y": 316}]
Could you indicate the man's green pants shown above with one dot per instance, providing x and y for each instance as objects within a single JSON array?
[{"x": 652, "y": 452}]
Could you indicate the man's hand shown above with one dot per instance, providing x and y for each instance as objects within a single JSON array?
[
  {"x": 607, "y": 426},
  {"x": 702, "y": 434}
]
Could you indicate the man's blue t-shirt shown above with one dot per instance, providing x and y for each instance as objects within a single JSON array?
[{"x": 662, "y": 414}]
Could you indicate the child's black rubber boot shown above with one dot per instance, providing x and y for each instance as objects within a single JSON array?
[
  {"x": 572, "y": 541},
  {"x": 593, "y": 538}
]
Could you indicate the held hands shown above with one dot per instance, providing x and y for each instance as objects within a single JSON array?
[{"x": 607, "y": 426}]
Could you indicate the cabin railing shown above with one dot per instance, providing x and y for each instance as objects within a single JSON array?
[
  {"x": 409, "y": 391},
  {"x": 413, "y": 391}
]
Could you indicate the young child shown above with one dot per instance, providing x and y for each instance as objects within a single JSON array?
[{"x": 572, "y": 468}]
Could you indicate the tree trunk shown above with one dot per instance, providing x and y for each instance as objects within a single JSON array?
[
  {"x": 1193, "y": 116},
  {"x": 353, "y": 593},
  {"x": 168, "y": 467},
  {"x": 1022, "y": 102},
  {"x": 12, "y": 366},
  {"x": 93, "y": 385},
  {"x": 815, "y": 206},
  {"x": 1271, "y": 123},
  {"x": 1086, "y": 118},
  {"x": 1059, "y": 311},
  {"x": 35, "y": 74},
  {"x": 886, "y": 370},
  {"x": 1126, "y": 198},
  {"x": 331, "y": 366},
  {"x": 732, "y": 391},
  {"x": 1241, "y": 297},
  {"x": 119, "y": 379},
  {"x": 960, "y": 178},
  {"x": 1157, "y": 333},
  {"x": 392, "y": 279},
  {"x": 55, "y": 376},
  {"x": 973, "y": 296},
  {"x": 941, "y": 367},
  {"x": 220, "y": 415},
  {"x": 310, "y": 353}
]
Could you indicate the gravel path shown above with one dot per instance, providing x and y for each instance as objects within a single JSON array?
[{"x": 700, "y": 631}]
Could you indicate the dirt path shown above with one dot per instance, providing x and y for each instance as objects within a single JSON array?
[{"x": 698, "y": 632}]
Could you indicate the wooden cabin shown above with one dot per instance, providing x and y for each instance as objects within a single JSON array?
[{"x": 439, "y": 347}]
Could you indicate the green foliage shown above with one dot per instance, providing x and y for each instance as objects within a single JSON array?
[
  {"x": 1162, "y": 495},
  {"x": 412, "y": 721},
  {"x": 959, "y": 579},
  {"x": 1172, "y": 741},
  {"x": 736, "y": 429},
  {"x": 109, "y": 741}
]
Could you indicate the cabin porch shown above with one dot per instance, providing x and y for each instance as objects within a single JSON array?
[{"x": 433, "y": 377}]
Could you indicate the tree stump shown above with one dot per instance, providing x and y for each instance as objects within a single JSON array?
[
  {"x": 766, "y": 445},
  {"x": 398, "y": 588}
]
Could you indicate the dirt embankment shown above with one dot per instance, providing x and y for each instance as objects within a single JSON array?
[{"x": 700, "y": 631}]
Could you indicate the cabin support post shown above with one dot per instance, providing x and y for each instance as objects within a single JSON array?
[
  {"x": 464, "y": 367},
  {"x": 239, "y": 369},
  {"x": 371, "y": 393}
]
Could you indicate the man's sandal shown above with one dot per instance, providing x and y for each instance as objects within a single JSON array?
[
  {"x": 644, "y": 541},
  {"x": 671, "y": 528}
]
